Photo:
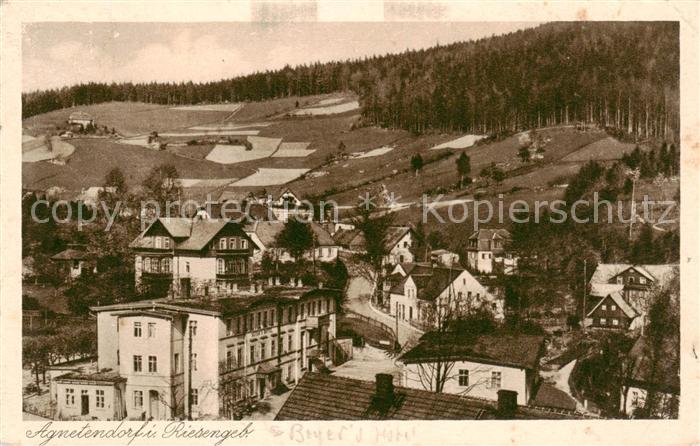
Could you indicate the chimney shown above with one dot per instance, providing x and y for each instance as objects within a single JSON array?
[
  {"x": 384, "y": 396},
  {"x": 507, "y": 404}
]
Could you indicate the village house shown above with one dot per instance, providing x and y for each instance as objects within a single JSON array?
[
  {"x": 443, "y": 257},
  {"x": 75, "y": 261},
  {"x": 477, "y": 367},
  {"x": 619, "y": 294},
  {"x": 665, "y": 382},
  {"x": 486, "y": 252},
  {"x": 81, "y": 119},
  {"x": 193, "y": 256},
  {"x": 227, "y": 351},
  {"x": 420, "y": 290},
  {"x": 264, "y": 234},
  {"x": 398, "y": 243}
]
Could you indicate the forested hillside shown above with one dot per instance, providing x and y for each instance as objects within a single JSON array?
[{"x": 622, "y": 75}]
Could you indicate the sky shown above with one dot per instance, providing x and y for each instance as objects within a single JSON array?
[{"x": 62, "y": 54}]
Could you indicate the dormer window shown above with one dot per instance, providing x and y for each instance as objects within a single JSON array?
[
  {"x": 243, "y": 243},
  {"x": 159, "y": 242},
  {"x": 642, "y": 280},
  {"x": 232, "y": 243},
  {"x": 222, "y": 243},
  {"x": 166, "y": 242},
  {"x": 620, "y": 280},
  {"x": 630, "y": 279}
]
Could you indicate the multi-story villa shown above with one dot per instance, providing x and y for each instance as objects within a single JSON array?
[
  {"x": 171, "y": 359},
  {"x": 182, "y": 257}
]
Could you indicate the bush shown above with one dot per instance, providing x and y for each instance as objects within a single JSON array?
[{"x": 573, "y": 321}]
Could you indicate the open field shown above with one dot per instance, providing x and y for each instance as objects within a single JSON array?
[
  {"x": 327, "y": 110},
  {"x": 61, "y": 149},
  {"x": 293, "y": 150},
  {"x": 230, "y": 126},
  {"x": 270, "y": 177},
  {"x": 604, "y": 149},
  {"x": 93, "y": 158},
  {"x": 374, "y": 152},
  {"x": 274, "y": 107},
  {"x": 459, "y": 143},
  {"x": 128, "y": 118},
  {"x": 210, "y": 107},
  {"x": 232, "y": 154}
]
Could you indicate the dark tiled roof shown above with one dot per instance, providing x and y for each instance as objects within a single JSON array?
[
  {"x": 345, "y": 236},
  {"x": 327, "y": 397},
  {"x": 394, "y": 234},
  {"x": 430, "y": 281},
  {"x": 71, "y": 254},
  {"x": 523, "y": 351},
  {"x": 110, "y": 376},
  {"x": 549, "y": 396},
  {"x": 489, "y": 234},
  {"x": 189, "y": 234}
]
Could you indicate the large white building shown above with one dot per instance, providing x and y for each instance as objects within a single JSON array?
[{"x": 225, "y": 351}]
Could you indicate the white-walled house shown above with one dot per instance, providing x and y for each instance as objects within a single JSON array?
[
  {"x": 477, "y": 367},
  {"x": 74, "y": 261},
  {"x": 420, "y": 289},
  {"x": 241, "y": 348},
  {"x": 264, "y": 234},
  {"x": 486, "y": 251},
  {"x": 398, "y": 242}
]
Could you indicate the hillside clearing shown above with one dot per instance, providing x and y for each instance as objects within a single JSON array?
[
  {"x": 459, "y": 143},
  {"x": 606, "y": 149},
  {"x": 327, "y": 110},
  {"x": 270, "y": 177},
  {"x": 293, "y": 150},
  {"x": 210, "y": 107},
  {"x": 61, "y": 150},
  {"x": 232, "y": 154},
  {"x": 372, "y": 153}
]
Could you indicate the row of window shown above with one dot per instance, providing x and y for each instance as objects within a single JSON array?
[
  {"x": 267, "y": 318},
  {"x": 493, "y": 383},
  {"x": 613, "y": 321},
  {"x": 138, "y": 331},
  {"x": 233, "y": 243},
  {"x": 160, "y": 242},
  {"x": 157, "y": 265},
  {"x": 604, "y": 307},
  {"x": 630, "y": 279},
  {"x": 231, "y": 266},
  {"x": 99, "y": 397},
  {"x": 259, "y": 352},
  {"x": 152, "y": 363}
]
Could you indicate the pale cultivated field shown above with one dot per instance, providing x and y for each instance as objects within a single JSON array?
[
  {"x": 210, "y": 107},
  {"x": 330, "y": 101},
  {"x": 329, "y": 110},
  {"x": 61, "y": 149},
  {"x": 270, "y": 177},
  {"x": 293, "y": 150},
  {"x": 606, "y": 149},
  {"x": 372, "y": 153},
  {"x": 231, "y": 154},
  {"x": 206, "y": 183},
  {"x": 211, "y": 133},
  {"x": 230, "y": 126},
  {"x": 459, "y": 143}
]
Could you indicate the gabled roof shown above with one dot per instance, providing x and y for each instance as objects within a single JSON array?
[
  {"x": 620, "y": 302},
  {"x": 522, "y": 351},
  {"x": 490, "y": 234},
  {"x": 430, "y": 281},
  {"x": 659, "y": 274},
  {"x": 267, "y": 232},
  {"x": 344, "y": 237},
  {"x": 72, "y": 254},
  {"x": 328, "y": 397},
  {"x": 192, "y": 234},
  {"x": 394, "y": 234}
]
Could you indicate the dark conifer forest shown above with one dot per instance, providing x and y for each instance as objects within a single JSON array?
[{"x": 622, "y": 75}]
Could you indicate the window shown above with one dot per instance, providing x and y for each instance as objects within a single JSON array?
[
  {"x": 463, "y": 377},
  {"x": 243, "y": 243},
  {"x": 147, "y": 264},
  {"x": 155, "y": 265},
  {"x": 222, "y": 243},
  {"x": 229, "y": 359},
  {"x": 615, "y": 321},
  {"x": 252, "y": 354},
  {"x": 220, "y": 266},
  {"x": 613, "y": 307},
  {"x": 195, "y": 397},
  {"x": 187, "y": 267},
  {"x": 264, "y": 319},
  {"x": 152, "y": 364},
  {"x": 193, "y": 328},
  {"x": 232, "y": 243},
  {"x": 262, "y": 351},
  {"x": 291, "y": 342},
  {"x": 603, "y": 321},
  {"x": 165, "y": 265},
  {"x": 159, "y": 242},
  {"x": 137, "y": 329},
  {"x": 603, "y": 307},
  {"x": 70, "y": 397},
  {"x": 495, "y": 380},
  {"x": 630, "y": 279},
  {"x": 239, "y": 356},
  {"x": 151, "y": 329},
  {"x": 193, "y": 360},
  {"x": 620, "y": 280},
  {"x": 272, "y": 347},
  {"x": 166, "y": 242},
  {"x": 272, "y": 318},
  {"x": 176, "y": 363},
  {"x": 642, "y": 280},
  {"x": 138, "y": 398},
  {"x": 100, "y": 398},
  {"x": 137, "y": 363}
]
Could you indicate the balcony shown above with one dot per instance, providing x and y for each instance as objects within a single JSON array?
[{"x": 156, "y": 275}]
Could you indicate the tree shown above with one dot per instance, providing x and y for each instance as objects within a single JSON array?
[
  {"x": 464, "y": 167},
  {"x": 162, "y": 185},
  {"x": 416, "y": 163},
  {"x": 643, "y": 250},
  {"x": 374, "y": 229},
  {"x": 296, "y": 237},
  {"x": 35, "y": 354},
  {"x": 524, "y": 154}
]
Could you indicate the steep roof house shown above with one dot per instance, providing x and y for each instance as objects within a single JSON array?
[
  {"x": 619, "y": 293},
  {"x": 265, "y": 234},
  {"x": 75, "y": 261},
  {"x": 486, "y": 251}
]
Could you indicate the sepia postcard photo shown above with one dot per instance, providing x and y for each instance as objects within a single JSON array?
[{"x": 334, "y": 223}]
